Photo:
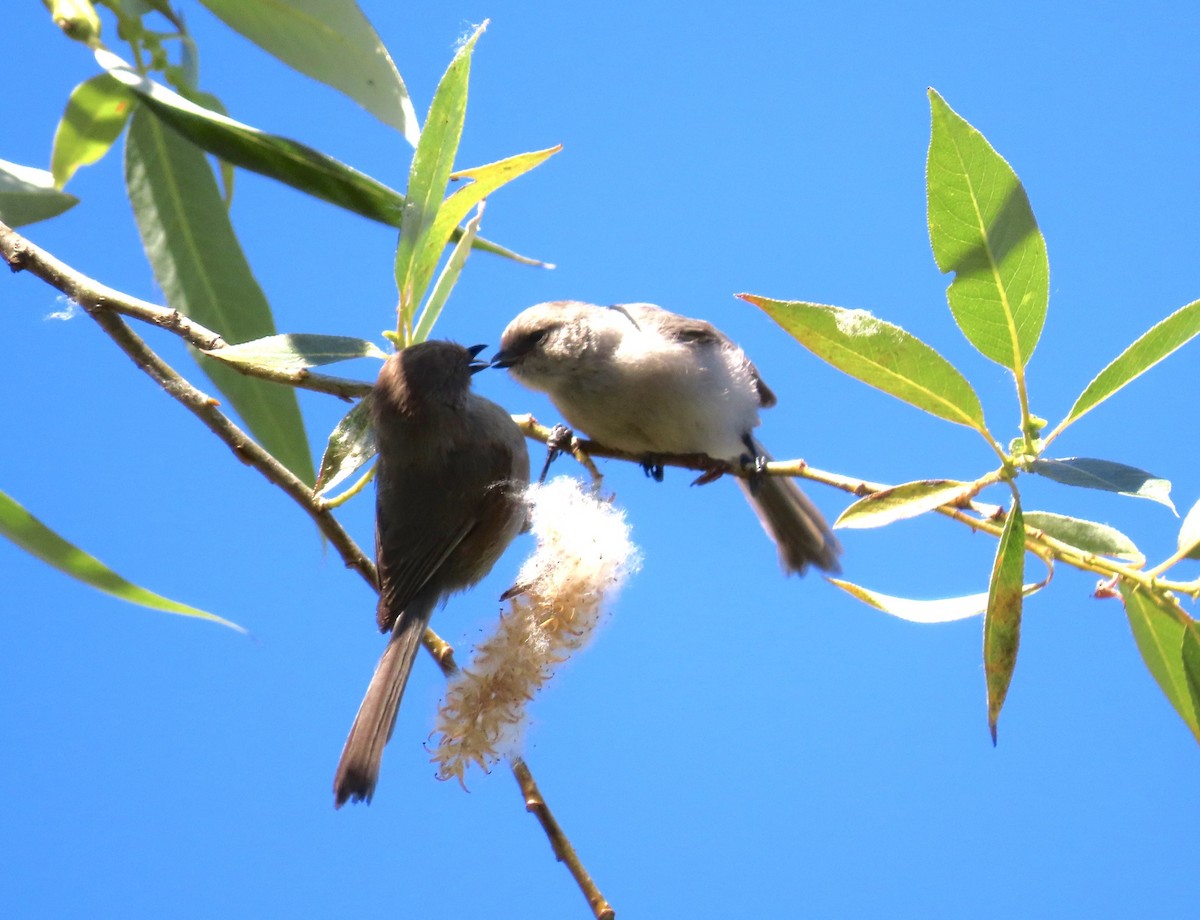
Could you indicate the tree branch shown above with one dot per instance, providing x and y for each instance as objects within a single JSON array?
[{"x": 103, "y": 304}]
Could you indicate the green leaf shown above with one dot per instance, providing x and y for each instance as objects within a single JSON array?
[
  {"x": 1159, "y": 627},
  {"x": 351, "y": 444},
  {"x": 419, "y": 250},
  {"x": 1190, "y": 653},
  {"x": 880, "y": 355},
  {"x": 1157, "y": 343},
  {"x": 1189, "y": 534},
  {"x": 447, "y": 279},
  {"x": 1088, "y": 536},
  {"x": 900, "y": 502},
  {"x": 279, "y": 158},
  {"x": 226, "y": 169},
  {"x": 293, "y": 351},
  {"x": 28, "y": 195},
  {"x": 482, "y": 181},
  {"x": 982, "y": 229},
  {"x": 96, "y": 113},
  {"x": 1105, "y": 475},
  {"x": 200, "y": 267},
  {"x": 330, "y": 41},
  {"x": 36, "y": 538},
  {"x": 1002, "y": 622}
]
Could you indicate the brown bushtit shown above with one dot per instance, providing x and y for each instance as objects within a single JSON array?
[
  {"x": 641, "y": 379},
  {"x": 450, "y": 478}
]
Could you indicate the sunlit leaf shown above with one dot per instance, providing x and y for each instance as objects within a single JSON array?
[
  {"x": 96, "y": 114},
  {"x": 1002, "y": 621},
  {"x": 279, "y": 158},
  {"x": 295, "y": 350},
  {"x": 331, "y": 41},
  {"x": 983, "y": 229},
  {"x": 1157, "y": 343},
  {"x": 36, "y": 538},
  {"x": 447, "y": 279},
  {"x": 1159, "y": 627},
  {"x": 1189, "y": 533},
  {"x": 200, "y": 267},
  {"x": 351, "y": 444},
  {"x": 941, "y": 610},
  {"x": 419, "y": 250},
  {"x": 1088, "y": 473},
  {"x": 900, "y": 502},
  {"x": 28, "y": 195},
  {"x": 1089, "y": 536},
  {"x": 879, "y": 354}
]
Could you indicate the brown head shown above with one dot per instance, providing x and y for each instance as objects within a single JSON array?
[{"x": 428, "y": 375}]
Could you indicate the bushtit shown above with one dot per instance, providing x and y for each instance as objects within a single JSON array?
[
  {"x": 641, "y": 379},
  {"x": 450, "y": 478}
]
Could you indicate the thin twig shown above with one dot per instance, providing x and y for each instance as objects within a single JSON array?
[
  {"x": 536, "y": 805},
  {"x": 22, "y": 255},
  {"x": 1036, "y": 541},
  {"x": 102, "y": 304}
]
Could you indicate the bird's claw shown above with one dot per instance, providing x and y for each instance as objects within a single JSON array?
[
  {"x": 653, "y": 470},
  {"x": 559, "y": 440}
]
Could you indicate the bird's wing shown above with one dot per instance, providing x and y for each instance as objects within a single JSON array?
[{"x": 688, "y": 330}]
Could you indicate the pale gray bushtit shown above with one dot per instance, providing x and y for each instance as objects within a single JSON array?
[
  {"x": 640, "y": 379},
  {"x": 450, "y": 478}
]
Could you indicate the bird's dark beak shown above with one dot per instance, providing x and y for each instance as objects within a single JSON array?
[
  {"x": 476, "y": 366},
  {"x": 504, "y": 358}
]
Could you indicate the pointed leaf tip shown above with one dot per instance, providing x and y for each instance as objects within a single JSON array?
[{"x": 982, "y": 229}]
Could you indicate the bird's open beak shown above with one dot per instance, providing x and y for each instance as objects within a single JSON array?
[{"x": 477, "y": 366}]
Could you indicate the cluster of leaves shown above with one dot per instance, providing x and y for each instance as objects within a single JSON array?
[
  {"x": 983, "y": 230},
  {"x": 183, "y": 212}
]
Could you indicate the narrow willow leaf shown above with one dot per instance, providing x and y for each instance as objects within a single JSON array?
[
  {"x": 1087, "y": 473},
  {"x": 36, "y": 538},
  {"x": 880, "y": 355},
  {"x": 1158, "y": 342},
  {"x": 900, "y": 503},
  {"x": 296, "y": 350},
  {"x": 447, "y": 279},
  {"x": 28, "y": 195},
  {"x": 331, "y": 41},
  {"x": 226, "y": 169},
  {"x": 200, "y": 267},
  {"x": 1190, "y": 652},
  {"x": 418, "y": 250},
  {"x": 982, "y": 229},
  {"x": 1088, "y": 536},
  {"x": 96, "y": 114},
  {"x": 482, "y": 181},
  {"x": 1158, "y": 628},
  {"x": 1002, "y": 622},
  {"x": 279, "y": 158},
  {"x": 942, "y": 610},
  {"x": 1189, "y": 533},
  {"x": 351, "y": 444}
]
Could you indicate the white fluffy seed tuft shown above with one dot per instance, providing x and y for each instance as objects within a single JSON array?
[{"x": 583, "y": 556}]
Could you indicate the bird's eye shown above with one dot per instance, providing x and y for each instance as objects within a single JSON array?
[{"x": 533, "y": 339}]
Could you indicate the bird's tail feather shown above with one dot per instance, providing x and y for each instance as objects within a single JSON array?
[
  {"x": 358, "y": 769},
  {"x": 790, "y": 519}
]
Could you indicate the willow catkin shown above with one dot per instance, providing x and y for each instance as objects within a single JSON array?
[{"x": 583, "y": 556}]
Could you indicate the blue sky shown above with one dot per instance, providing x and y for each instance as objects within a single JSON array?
[{"x": 735, "y": 743}]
